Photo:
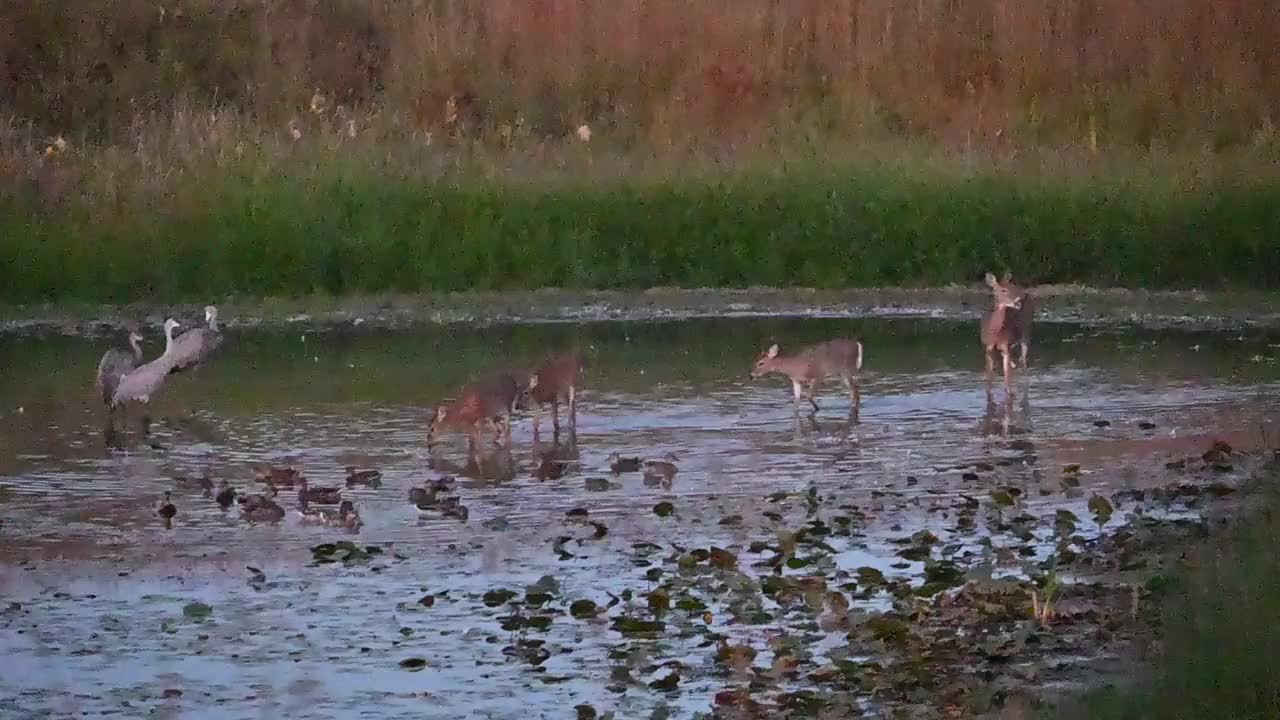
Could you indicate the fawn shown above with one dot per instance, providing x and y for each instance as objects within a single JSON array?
[
  {"x": 841, "y": 357},
  {"x": 488, "y": 401},
  {"x": 556, "y": 380},
  {"x": 1008, "y": 324}
]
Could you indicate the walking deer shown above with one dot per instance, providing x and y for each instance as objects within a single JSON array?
[
  {"x": 1008, "y": 324},
  {"x": 557, "y": 379},
  {"x": 842, "y": 357}
]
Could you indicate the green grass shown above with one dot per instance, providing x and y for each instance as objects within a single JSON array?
[
  {"x": 335, "y": 230},
  {"x": 1221, "y": 627}
]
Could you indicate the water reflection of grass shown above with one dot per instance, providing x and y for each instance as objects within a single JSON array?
[{"x": 1221, "y": 626}]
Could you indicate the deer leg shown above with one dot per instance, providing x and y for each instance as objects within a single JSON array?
[
  {"x": 555, "y": 415},
  {"x": 573, "y": 407},
  {"x": 537, "y": 416},
  {"x": 798, "y": 391},
  {"x": 1025, "y": 349},
  {"x": 991, "y": 364},
  {"x": 1008, "y": 366}
]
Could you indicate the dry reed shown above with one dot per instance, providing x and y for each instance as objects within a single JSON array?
[{"x": 981, "y": 73}]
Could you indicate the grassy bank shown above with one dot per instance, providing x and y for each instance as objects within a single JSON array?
[
  {"x": 1221, "y": 622},
  {"x": 337, "y": 227}
]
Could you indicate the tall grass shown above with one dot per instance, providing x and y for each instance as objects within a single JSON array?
[
  {"x": 1221, "y": 623},
  {"x": 335, "y": 228},
  {"x": 977, "y": 72},
  {"x": 210, "y": 147}
]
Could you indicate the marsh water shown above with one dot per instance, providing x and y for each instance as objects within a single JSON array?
[{"x": 94, "y": 586}]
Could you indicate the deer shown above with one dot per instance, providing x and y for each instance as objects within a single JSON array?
[
  {"x": 1008, "y": 324},
  {"x": 555, "y": 380},
  {"x": 813, "y": 363},
  {"x": 485, "y": 402}
]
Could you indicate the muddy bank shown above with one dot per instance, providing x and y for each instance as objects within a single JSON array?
[{"x": 1068, "y": 304}]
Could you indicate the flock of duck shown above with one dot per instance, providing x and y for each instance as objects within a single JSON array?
[{"x": 487, "y": 404}]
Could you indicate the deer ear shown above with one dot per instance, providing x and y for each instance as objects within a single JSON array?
[
  {"x": 1008, "y": 277},
  {"x": 773, "y": 350},
  {"x": 991, "y": 280}
]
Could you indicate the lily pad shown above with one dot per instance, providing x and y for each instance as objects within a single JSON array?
[
  {"x": 196, "y": 611},
  {"x": 887, "y": 628},
  {"x": 870, "y": 576},
  {"x": 637, "y": 627},
  {"x": 722, "y": 559},
  {"x": 1101, "y": 509},
  {"x": 668, "y": 683},
  {"x": 583, "y": 609},
  {"x": 691, "y": 604},
  {"x": 413, "y": 663},
  {"x": 664, "y": 509},
  {"x": 494, "y": 598}
]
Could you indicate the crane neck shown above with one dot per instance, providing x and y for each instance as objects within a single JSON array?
[
  {"x": 213, "y": 320},
  {"x": 137, "y": 349},
  {"x": 168, "y": 339}
]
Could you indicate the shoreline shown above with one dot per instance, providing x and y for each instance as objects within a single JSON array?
[{"x": 1065, "y": 304}]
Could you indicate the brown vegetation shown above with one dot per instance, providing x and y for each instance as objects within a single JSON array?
[{"x": 984, "y": 73}]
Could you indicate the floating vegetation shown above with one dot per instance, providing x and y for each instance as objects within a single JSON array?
[{"x": 345, "y": 552}]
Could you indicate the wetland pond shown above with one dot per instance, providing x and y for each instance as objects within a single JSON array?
[{"x": 779, "y": 570}]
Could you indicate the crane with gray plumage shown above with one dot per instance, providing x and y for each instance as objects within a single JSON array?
[
  {"x": 193, "y": 347},
  {"x": 115, "y": 364},
  {"x": 145, "y": 382}
]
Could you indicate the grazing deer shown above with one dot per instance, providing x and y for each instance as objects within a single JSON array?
[
  {"x": 1008, "y": 324},
  {"x": 556, "y": 380},
  {"x": 813, "y": 363},
  {"x": 488, "y": 402}
]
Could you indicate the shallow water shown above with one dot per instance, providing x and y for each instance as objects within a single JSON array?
[{"x": 100, "y": 583}]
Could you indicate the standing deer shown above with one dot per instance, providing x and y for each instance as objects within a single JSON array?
[
  {"x": 556, "y": 380},
  {"x": 1008, "y": 324},
  {"x": 813, "y": 363}
]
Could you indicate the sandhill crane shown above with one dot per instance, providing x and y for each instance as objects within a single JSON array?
[
  {"x": 194, "y": 346},
  {"x": 143, "y": 383},
  {"x": 115, "y": 364}
]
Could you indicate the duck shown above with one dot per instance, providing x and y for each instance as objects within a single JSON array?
[
  {"x": 280, "y": 477},
  {"x": 422, "y": 496},
  {"x": 226, "y": 496},
  {"x": 661, "y": 471},
  {"x": 252, "y": 502},
  {"x": 368, "y": 478},
  {"x": 348, "y": 518},
  {"x": 315, "y": 516},
  {"x": 268, "y": 511},
  {"x": 203, "y": 482},
  {"x": 321, "y": 495},
  {"x": 426, "y": 495},
  {"x": 167, "y": 510},
  {"x": 550, "y": 468},
  {"x": 450, "y": 507},
  {"x": 619, "y": 464}
]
